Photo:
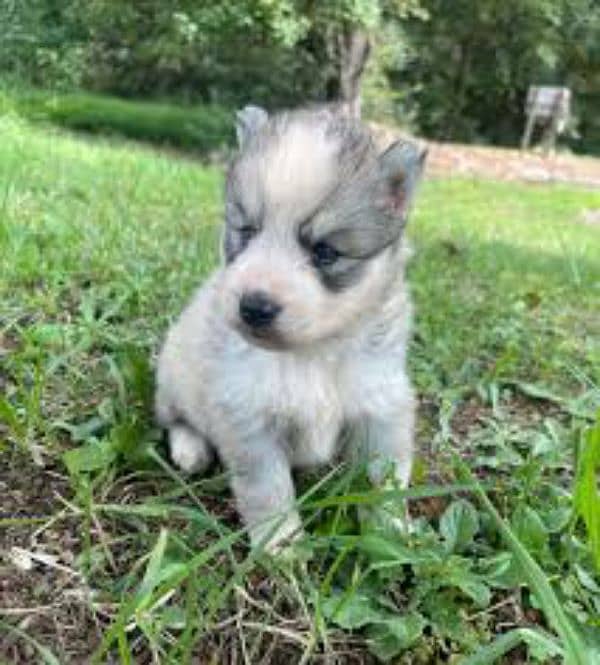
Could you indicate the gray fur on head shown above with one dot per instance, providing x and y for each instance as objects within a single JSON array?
[
  {"x": 306, "y": 178},
  {"x": 318, "y": 175},
  {"x": 248, "y": 122}
]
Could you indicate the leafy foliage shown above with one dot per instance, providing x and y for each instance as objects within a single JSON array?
[
  {"x": 478, "y": 57},
  {"x": 444, "y": 69}
]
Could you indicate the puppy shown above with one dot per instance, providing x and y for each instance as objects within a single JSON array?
[{"x": 302, "y": 333}]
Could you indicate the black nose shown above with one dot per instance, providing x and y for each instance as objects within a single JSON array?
[{"x": 258, "y": 310}]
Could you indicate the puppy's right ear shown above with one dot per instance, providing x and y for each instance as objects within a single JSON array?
[
  {"x": 401, "y": 166},
  {"x": 248, "y": 122}
]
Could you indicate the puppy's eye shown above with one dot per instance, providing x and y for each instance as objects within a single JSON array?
[
  {"x": 246, "y": 234},
  {"x": 324, "y": 255}
]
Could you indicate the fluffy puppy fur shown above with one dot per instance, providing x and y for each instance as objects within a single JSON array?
[{"x": 302, "y": 333}]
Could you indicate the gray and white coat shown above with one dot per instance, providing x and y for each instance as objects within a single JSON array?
[{"x": 302, "y": 333}]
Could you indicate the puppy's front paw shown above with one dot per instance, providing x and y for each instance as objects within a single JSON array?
[{"x": 189, "y": 451}]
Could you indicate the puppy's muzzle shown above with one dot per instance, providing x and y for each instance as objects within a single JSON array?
[{"x": 257, "y": 310}]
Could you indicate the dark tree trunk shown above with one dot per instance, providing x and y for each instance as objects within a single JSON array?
[
  {"x": 353, "y": 48},
  {"x": 348, "y": 51}
]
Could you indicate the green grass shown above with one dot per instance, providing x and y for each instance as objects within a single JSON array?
[
  {"x": 197, "y": 129},
  {"x": 102, "y": 244}
]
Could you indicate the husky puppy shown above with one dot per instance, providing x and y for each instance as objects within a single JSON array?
[{"x": 302, "y": 333}]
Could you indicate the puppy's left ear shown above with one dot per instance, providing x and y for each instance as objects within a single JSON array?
[
  {"x": 401, "y": 167},
  {"x": 248, "y": 122}
]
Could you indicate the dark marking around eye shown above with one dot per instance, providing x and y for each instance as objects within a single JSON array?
[
  {"x": 240, "y": 229},
  {"x": 335, "y": 270},
  {"x": 246, "y": 234},
  {"x": 324, "y": 255},
  {"x": 237, "y": 239},
  {"x": 342, "y": 276}
]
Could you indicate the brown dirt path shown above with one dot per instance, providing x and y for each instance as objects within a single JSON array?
[{"x": 504, "y": 163}]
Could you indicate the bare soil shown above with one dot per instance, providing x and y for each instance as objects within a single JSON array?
[
  {"x": 455, "y": 159},
  {"x": 44, "y": 597}
]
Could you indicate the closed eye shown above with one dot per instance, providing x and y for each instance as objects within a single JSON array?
[
  {"x": 246, "y": 233},
  {"x": 323, "y": 254}
]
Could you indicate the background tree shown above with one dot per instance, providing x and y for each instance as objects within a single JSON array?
[
  {"x": 473, "y": 62},
  {"x": 451, "y": 70}
]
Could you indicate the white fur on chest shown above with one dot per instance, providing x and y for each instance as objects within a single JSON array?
[{"x": 297, "y": 395}]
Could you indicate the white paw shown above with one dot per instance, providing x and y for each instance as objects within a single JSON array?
[{"x": 189, "y": 451}]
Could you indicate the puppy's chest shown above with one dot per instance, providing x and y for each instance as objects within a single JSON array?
[
  {"x": 304, "y": 388},
  {"x": 301, "y": 397}
]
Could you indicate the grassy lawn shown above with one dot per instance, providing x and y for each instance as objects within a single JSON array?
[{"x": 105, "y": 548}]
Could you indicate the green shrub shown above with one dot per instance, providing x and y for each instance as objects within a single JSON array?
[{"x": 198, "y": 128}]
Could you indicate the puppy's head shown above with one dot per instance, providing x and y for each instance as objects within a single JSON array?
[{"x": 314, "y": 218}]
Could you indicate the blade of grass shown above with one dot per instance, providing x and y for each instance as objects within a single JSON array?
[
  {"x": 505, "y": 643},
  {"x": 176, "y": 578},
  {"x": 124, "y": 650},
  {"x": 574, "y": 645},
  {"x": 47, "y": 656},
  {"x": 152, "y": 574},
  {"x": 378, "y": 496},
  {"x": 587, "y": 497}
]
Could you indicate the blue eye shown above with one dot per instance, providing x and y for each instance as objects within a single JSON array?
[{"x": 324, "y": 255}]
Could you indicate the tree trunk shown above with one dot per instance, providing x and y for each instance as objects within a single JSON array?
[
  {"x": 461, "y": 82},
  {"x": 353, "y": 52}
]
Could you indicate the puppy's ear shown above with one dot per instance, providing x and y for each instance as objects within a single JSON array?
[
  {"x": 248, "y": 122},
  {"x": 401, "y": 166}
]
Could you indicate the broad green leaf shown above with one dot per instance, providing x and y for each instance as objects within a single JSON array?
[
  {"x": 381, "y": 549},
  {"x": 151, "y": 575},
  {"x": 448, "y": 618},
  {"x": 47, "y": 334},
  {"x": 92, "y": 456},
  {"x": 9, "y": 414},
  {"x": 351, "y": 610},
  {"x": 556, "y": 520},
  {"x": 541, "y": 646},
  {"x": 541, "y": 393},
  {"x": 501, "y": 570},
  {"x": 83, "y": 431},
  {"x": 459, "y": 524},
  {"x": 530, "y": 530},
  {"x": 586, "y": 580},
  {"x": 458, "y": 573},
  {"x": 391, "y": 637}
]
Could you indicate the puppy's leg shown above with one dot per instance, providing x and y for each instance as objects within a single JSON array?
[
  {"x": 389, "y": 444},
  {"x": 390, "y": 448},
  {"x": 189, "y": 449},
  {"x": 264, "y": 490}
]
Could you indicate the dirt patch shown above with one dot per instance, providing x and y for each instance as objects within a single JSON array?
[
  {"x": 445, "y": 159},
  {"x": 41, "y": 591},
  {"x": 506, "y": 164}
]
